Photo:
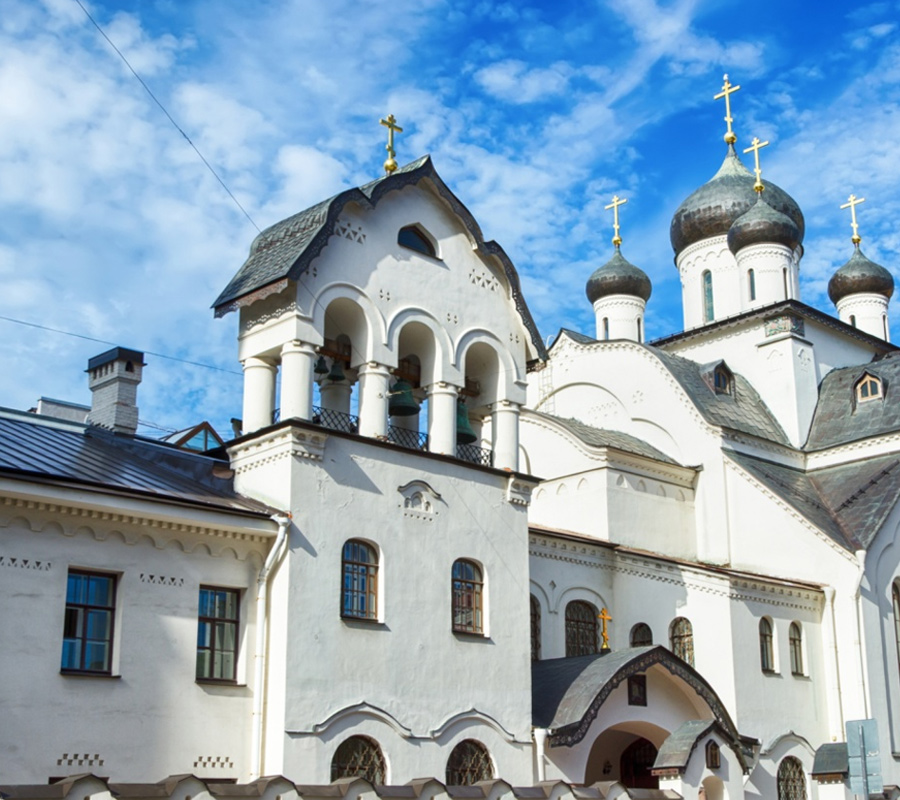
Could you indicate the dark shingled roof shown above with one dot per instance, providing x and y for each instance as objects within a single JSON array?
[
  {"x": 601, "y": 437},
  {"x": 677, "y": 748},
  {"x": 284, "y": 250},
  {"x": 831, "y": 759},
  {"x": 743, "y": 410},
  {"x": 848, "y": 502},
  {"x": 90, "y": 456},
  {"x": 838, "y": 417}
]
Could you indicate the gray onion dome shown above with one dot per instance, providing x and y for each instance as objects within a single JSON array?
[
  {"x": 762, "y": 224},
  {"x": 860, "y": 276},
  {"x": 715, "y": 206},
  {"x": 618, "y": 276}
]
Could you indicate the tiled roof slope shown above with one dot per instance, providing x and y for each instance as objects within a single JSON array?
[
  {"x": 848, "y": 502},
  {"x": 601, "y": 437},
  {"x": 90, "y": 456},
  {"x": 287, "y": 248},
  {"x": 839, "y": 419},
  {"x": 743, "y": 410}
]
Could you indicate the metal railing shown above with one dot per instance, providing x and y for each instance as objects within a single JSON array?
[
  {"x": 335, "y": 420},
  {"x": 474, "y": 454},
  {"x": 413, "y": 440}
]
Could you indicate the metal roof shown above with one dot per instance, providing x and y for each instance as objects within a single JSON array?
[
  {"x": 87, "y": 455},
  {"x": 284, "y": 250}
]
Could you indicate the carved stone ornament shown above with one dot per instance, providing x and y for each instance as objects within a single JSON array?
[
  {"x": 788, "y": 323},
  {"x": 419, "y": 500}
]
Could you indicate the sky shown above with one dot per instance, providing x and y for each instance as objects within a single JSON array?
[{"x": 535, "y": 113}]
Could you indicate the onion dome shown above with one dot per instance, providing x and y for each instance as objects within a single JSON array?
[
  {"x": 618, "y": 276},
  {"x": 714, "y": 207},
  {"x": 860, "y": 276},
  {"x": 762, "y": 224}
]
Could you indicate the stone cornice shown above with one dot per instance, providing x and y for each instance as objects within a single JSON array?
[{"x": 872, "y": 447}]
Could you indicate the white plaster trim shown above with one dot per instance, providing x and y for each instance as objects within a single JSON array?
[{"x": 474, "y": 715}]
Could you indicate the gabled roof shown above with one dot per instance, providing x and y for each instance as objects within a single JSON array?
[
  {"x": 86, "y": 455},
  {"x": 283, "y": 251},
  {"x": 602, "y": 437},
  {"x": 847, "y": 502},
  {"x": 839, "y": 419}
]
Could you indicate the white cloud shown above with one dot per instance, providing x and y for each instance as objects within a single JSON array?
[{"x": 514, "y": 82}]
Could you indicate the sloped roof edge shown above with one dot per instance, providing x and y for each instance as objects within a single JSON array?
[{"x": 368, "y": 196}]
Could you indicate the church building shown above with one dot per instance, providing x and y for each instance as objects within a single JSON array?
[{"x": 439, "y": 559}]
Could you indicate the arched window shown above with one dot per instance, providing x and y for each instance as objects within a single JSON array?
[
  {"x": 468, "y": 586},
  {"x": 469, "y": 763},
  {"x": 766, "y": 656},
  {"x": 359, "y": 592},
  {"x": 895, "y": 595},
  {"x": 868, "y": 387},
  {"x": 751, "y": 284},
  {"x": 641, "y": 635},
  {"x": 853, "y": 320},
  {"x": 606, "y": 328},
  {"x": 581, "y": 629},
  {"x": 784, "y": 276},
  {"x": 535, "y": 629},
  {"x": 640, "y": 330},
  {"x": 414, "y": 239},
  {"x": 795, "y": 640},
  {"x": 359, "y": 757},
  {"x": 708, "y": 311},
  {"x": 713, "y": 756},
  {"x": 681, "y": 636},
  {"x": 791, "y": 780},
  {"x": 884, "y": 325},
  {"x": 723, "y": 380}
]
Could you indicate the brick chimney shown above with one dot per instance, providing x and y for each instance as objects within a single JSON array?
[{"x": 113, "y": 377}]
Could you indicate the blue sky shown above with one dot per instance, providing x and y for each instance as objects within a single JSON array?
[{"x": 535, "y": 113}]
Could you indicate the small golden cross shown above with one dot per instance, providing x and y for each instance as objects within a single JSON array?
[
  {"x": 755, "y": 147},
  {"x": 604, "y": 617},
  {"x": 727, "y": 90},
  {"x": 391, "y": 124},
  {"x": 852, "y": 202},
  {"x": 614, "y": 205}
]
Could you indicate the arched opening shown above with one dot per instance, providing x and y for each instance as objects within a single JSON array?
[
  {"x": 484, "y": 382},
  {"x": 336, "y": 395},
  {"x": 641, "y": 635},
  {"x": 359, "y": 757},
  {"x": 681, "y": 639},
  {"x": 581, "y": 629},
  {"x": 751, "y": 285},
  {"x": 469, "y": 763},
  {"x": 766, "y": 655},
  {"x": 791, "y": 779},
  {"x": 635, "y": 765},
  {"x": 408, "y": 406},
  {"x": 713, "y": 788},
  {"x": 708, "y": 309}
]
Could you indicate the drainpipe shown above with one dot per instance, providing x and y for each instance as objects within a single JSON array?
[
  {"x": 860, "y": 631},
  {"x": 262, "y": 586},
  {"x": 540, "y": 740}
]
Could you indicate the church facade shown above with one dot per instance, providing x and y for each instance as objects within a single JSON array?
[{"x": 439, "y": 555}]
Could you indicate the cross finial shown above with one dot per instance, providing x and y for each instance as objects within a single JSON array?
[
  {"x": 755, "y": 146},
  {"x": 614, "y": 205},
  {"x": 604, "y": 617},
  {"x": 852, "y": 202},
  {"x": 391, "y": 124},
  {"x": 727, "y": 91}
]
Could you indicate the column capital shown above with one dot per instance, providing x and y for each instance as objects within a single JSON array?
[
  {"x": 506, "y": 405},
  {"x": 258, "y": 361},
  {"x": 373, "y": 368},
  {"x": 298, "y": 346},
  {"x": 441, "y": 387}
]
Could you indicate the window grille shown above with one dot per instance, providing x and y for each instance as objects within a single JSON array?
[
  {"x": 359, "y": 757},
  {"x": 535, "y": 629},
  {"x": 581, "y": 629},
  {"x": 791, "y": 780},
  {"x": 469, "y": 763},
  {"x": 682, "y": 640},
  {"x": 641, "y": 635}
]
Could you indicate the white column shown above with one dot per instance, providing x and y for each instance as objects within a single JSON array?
[
  {"x": 373, "y": 399},
  {"x": 505, "y": 427},
  {"x": 297, "y": 360},
  {"x": 442, "y": 418},
  {"x": 259, "y": 393}
]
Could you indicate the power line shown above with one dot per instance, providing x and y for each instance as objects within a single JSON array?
[
  {"x": 168, "y": 115},
  {"x": 116, "y": 344}
]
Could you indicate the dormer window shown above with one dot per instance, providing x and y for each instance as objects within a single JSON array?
[
  {"x": 869, "y": 388},
  {"x": 723, "y": 380},
  {"x": 412, "y": 237}
]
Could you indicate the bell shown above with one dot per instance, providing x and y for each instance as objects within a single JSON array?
[
  {"x": 401, "y": 402},
  {"x": 337, "y": 372},
  {"x": 321, "y": 367},
  {"x": 464, "y": 432}
]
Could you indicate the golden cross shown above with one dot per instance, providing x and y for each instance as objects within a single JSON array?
[
  {"x": 727, "y": 90},
  {"x": 852, "y": 202},
  {"x": 614, "y": 205},
  {"x": 604, "y": 617},
  {"x": 755, "y": 147},
  {"x": 391, "y": 124}
]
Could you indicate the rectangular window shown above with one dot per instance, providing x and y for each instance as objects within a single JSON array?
[
  {"x": 88, "y": 626},
  {"x": 217, "y": 634}
]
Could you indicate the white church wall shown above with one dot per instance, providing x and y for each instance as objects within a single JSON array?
[
  {"x": 762, "y": 783},
  {"x": 150, "y": 717},
  {"x": 334, "y": 664}
]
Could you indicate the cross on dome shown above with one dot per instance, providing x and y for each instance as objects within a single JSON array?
[
  {"x": 614, "y": 205},
  {"x": 391, "y": 124},
  {"x": 727, "y": 90},
  {"x": 852, "y": 202},
  {"x": 756, "y": 146}
]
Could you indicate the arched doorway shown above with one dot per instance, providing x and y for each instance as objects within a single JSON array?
[{"x": 635, "y": 765}]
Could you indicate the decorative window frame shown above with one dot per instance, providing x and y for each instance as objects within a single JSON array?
[{"x": 869, "y": 387}]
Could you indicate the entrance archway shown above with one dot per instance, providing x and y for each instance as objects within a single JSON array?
[{"x": 635, "y": 765}]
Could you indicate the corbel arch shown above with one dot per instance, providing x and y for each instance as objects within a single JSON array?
[{"x": 341, "y": 308}]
